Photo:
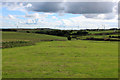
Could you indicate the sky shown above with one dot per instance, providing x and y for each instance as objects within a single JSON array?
[{"x": 64, "y": 14}]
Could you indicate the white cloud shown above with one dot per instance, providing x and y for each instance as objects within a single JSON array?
[
  {"x": 83, "y": 22},
  {"x": 35, "y": 15},
  {"x": 48, "y": 13},
  {"x": 29, "y": 5},
  {"x": 79, "y": 22},
  {"x": 54, "y": 17},
  {"x": 11, "y": 17},
  {"x": 60, "y": 0},
  {"x": 17, "y": 6}
]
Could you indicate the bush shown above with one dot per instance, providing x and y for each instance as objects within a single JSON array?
[
  {"x": 110, "y": 36},
  {"x": 28, "y": 31},
  {"x": 69, "y": 38}
]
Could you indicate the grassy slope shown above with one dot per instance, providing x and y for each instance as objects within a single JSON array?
[
  {"x": 84, "y": 59},
  {"x": 13, "y": 36}
]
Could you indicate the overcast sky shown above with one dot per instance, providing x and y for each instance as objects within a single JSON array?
[{"x": 60, "y": 15}]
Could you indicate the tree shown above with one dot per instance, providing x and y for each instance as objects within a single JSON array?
[{"x": 69, "y": 38}]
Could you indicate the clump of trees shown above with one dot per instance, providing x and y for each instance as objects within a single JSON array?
[
  {"x": 81, "y": 33},
  {"x": 9, "y": 30},
  {"x": 64, "y": 33},
  {"x": 55, "y": 32}
]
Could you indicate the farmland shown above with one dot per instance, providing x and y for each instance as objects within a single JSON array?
[
  {"x": 14, "y": 36},
  {"x": 16, "y": 39},
  {"x": 56, "y": 57}
]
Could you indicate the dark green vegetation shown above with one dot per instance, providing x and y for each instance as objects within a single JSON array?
[
  {"x": 56, "y": 57},
  {"x": 105, "y": 35},
  {"x": 64, "y": 33},
  {"x": 11, "y": 44}
]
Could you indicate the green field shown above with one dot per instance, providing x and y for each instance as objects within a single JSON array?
[
  {"x": 106, "y": 31},
  {"x": 98, "y": 36},
  {"x": 59, "y": 59},
  {"x": 14, "y": 36}
]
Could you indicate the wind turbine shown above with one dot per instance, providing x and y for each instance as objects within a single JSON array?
[
  {"x": 98, "y": 28},
  {"x": 17, "y": 25},
  {"x": 114, "y": 30},
  {"x": 104, "y": 27},
  {"x": 78, "y": 27}
]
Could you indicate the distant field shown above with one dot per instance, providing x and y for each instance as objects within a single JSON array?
[
  {"x": 92, "y": 34},
  {"x": 59, "y": 59},
  {"x": 14, "y": 36},
  {"x": 19, "y": 39},
  {"x": 107, "y": 31},
  {"x": 97, "y": 36}
]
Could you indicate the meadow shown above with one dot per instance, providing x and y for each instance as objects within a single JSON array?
[
  {"x": 18, "y": 39},
  {"x": 56, "y": 57},
  {"x": 106, "y": 31},
  {"x": 17, "y": 36}
]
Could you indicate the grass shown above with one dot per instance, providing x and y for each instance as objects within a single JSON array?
[
  {"x": 14, "y": 36},
  {"x": 17, "y": 39},
  {"x": 68, "y": 59},
  {"x": 106, "y": 31},
  {"x": 99, "y": 36},
  {"x": 59, "y": 59}
]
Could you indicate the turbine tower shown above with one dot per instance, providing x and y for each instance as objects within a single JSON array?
[
  {"x": 98, "y": 28},
  {"x": 17, "y": 25}
]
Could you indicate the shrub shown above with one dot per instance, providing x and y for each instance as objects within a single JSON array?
[
  {"x": 28, "y": 31},
  {"x": 69, "y": 38},
  {"x": 110, "y": 36}
]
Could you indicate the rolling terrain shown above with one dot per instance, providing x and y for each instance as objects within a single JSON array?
[{"x": 59, "y": 58}]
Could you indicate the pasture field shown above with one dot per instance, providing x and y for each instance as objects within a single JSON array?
[
  {"x": 106, "y": 31},
  {"x": 59, "y": 59},
  {"x": 99, "y": 36},
  {"x": 15, "y": 36}
]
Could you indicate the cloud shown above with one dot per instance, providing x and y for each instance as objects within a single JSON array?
[
  {"x": 45, "y": 7},
  {"x": 60, "y": 0},
  {"x": 54, "y": 17},
  {"x": 29, "y": 5},
  {"x": 93, "y": 14},
  {"x": 11, "y": 17},
  {"x": 79, "y": 22},
  {"x": 72, "y": 7},
  {"x": 18, "y": 6},
  {"x": 112, "y": 15},
  {"x": 83, "y": 23},
  {"x": 48, "y": 13},
  {"x": 36, "y": 16},
  {"x": 102, "y": 10},
  {"x": 92, "y": 8},
  {"x": 89, "y": 7}
]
